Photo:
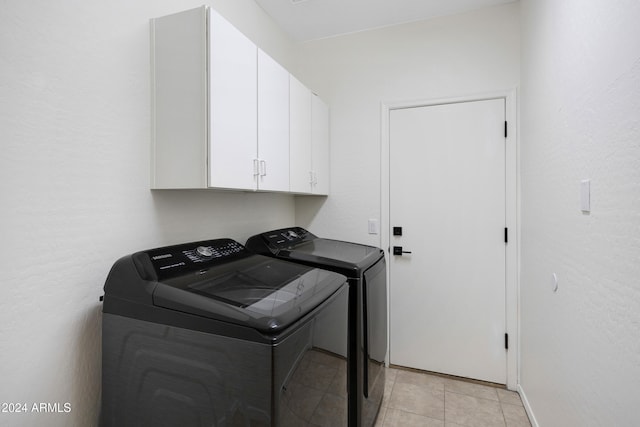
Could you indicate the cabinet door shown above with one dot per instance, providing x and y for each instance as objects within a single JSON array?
[
  {"x": 319, "y": 146},
  {"x": 233, "y": 106},
  {"x": 300, "y": 137},
  {"x": 273, "y": 125}
]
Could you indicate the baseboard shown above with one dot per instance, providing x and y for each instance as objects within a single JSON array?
[{"x": 527, "y": 407}]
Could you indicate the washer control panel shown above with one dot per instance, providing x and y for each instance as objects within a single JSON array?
[
  {"x": 180, "y": 259},
  {"x": 218, "y": 250}
]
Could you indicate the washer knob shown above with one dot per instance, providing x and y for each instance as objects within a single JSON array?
[{"x": 204, "y": 251}]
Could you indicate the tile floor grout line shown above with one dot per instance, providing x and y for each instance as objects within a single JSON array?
[
  {"x": 393, "y": 385},
  {"x": 504, "y": 417},
  {"x": 472, "y": 395},
  {"x": 444, "y": 407}
]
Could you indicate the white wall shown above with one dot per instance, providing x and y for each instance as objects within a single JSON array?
[
  {"x": 74, "y": 186},
  {"x": 467, "y": 54},
  {"x": 580, "y": 119}
]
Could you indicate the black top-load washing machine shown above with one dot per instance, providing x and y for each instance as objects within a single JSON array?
[
  {"x": 209, "y": 334},
  {"x": 365, "y": 269}
]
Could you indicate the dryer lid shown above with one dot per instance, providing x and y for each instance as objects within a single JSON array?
[{"x": 350, "y": 253}]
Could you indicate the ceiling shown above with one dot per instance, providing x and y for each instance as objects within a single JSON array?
[{"x": 307, "y": 20}]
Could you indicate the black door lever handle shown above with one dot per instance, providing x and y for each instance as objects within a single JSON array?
[{"x": 397, "y": 250}]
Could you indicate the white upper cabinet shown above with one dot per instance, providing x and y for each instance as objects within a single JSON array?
[
  {"x": 204, "y": 105},
  {"x": 273, "y": 125},
  {"x": 300, "y": 136},
  {"x": 226, "y": 115},
  {"x": 309, "y": 125}
]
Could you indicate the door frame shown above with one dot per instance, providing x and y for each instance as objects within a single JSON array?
[{"x": 512, "y": 214}]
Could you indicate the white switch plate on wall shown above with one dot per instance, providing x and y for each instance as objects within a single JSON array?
[
  {"x": 373, "y": 226},
  {"x": 585, "y": 195}
]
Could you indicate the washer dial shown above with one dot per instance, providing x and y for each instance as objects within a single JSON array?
[{"x": 204, "y": 251}]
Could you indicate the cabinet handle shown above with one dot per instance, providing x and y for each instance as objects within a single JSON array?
[
  {"x": 310, "y": 177},
  {"x": 255, "y": 167},
  {"x": 263, "y": 168}
]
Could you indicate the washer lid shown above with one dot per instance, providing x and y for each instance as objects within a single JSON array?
[{"x": 263, "y": 293}]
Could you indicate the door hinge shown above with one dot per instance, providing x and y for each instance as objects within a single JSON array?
[
  {"x": 505, "y": 129},
  {"x": 506, "y": 341},
  {"x": 506, "y": 235}
]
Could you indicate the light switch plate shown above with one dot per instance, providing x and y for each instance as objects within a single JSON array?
[
  {"x": 373, "y": 226},
  {"x": 585, "y": 195}
]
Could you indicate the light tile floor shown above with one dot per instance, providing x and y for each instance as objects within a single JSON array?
[{"x": 419, "y": 399}]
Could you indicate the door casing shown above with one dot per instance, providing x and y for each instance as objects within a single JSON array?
[{"x": 512, "y": 301}]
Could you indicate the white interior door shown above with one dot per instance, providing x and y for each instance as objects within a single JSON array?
[{"x": 447, "y": 192}]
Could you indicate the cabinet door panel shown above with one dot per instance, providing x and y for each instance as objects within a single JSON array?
[
  {"x": 179, "y": 100},
  {"x": 320, "y": 146},
  {"x": 233, "y": 106},
  {"x": 300, "y": 137},
  {"x": 273, "y": 124}
]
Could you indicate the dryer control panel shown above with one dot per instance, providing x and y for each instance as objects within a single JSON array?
[{"x": 287, "y": 237}]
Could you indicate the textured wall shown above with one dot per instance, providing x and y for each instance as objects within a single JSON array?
[
  {"x": 460, "y": 55},
  {"x": 580, "y": 119},
  {"x": 74, "y": 186}
]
